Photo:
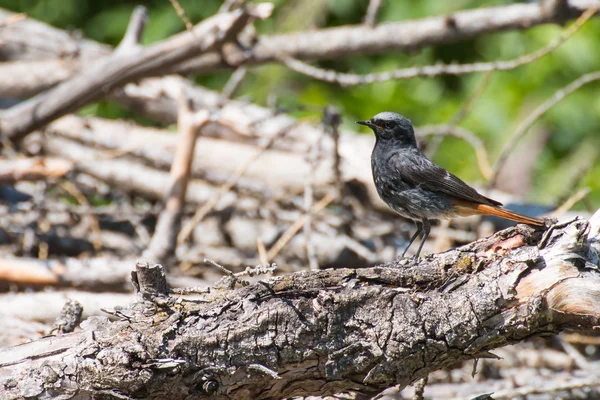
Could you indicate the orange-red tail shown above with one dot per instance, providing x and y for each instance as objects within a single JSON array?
[{"x": 503, "y": 213}]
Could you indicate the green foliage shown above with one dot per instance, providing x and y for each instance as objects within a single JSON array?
[{"x": 573, "y": 125}]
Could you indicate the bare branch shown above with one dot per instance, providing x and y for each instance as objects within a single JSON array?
[
  {"x": 534, "y": 116},
  {"x": 181, "y": 13},
  {"x": 348, "y": 79},
  {"x": 120, "y": 68},
  {"x": 164, "y": 240},
  {"x": 475, "y": 142},
  {"x": 371, "y": 15},
  {"x": 234, "y": 82},
  {"x": 321, "y": 44},
  {"x": 186, "y": 231}
]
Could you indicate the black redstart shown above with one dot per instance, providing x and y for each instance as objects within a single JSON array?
[{"x": 416, "y": 188}]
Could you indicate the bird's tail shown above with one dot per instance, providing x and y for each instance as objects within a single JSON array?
[{"x": 484, "y": 209}]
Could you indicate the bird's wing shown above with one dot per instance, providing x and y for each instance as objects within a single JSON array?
[{"x": 419, "y": 171}]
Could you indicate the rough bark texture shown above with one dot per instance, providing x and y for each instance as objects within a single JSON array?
[{"x": 325, "y": 332}]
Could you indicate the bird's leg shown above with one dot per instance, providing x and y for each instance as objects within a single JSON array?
[
  {"x": 426, "y": 230},
  {"x": 412, "y": 239}
]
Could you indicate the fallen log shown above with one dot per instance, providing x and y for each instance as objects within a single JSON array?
[{"x": 324, "y": 332}]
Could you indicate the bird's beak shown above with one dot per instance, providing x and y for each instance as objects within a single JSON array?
[{"x": 365, "y": 123}]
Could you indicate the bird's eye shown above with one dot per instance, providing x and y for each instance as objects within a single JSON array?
[{"x": 387, "y": 124}]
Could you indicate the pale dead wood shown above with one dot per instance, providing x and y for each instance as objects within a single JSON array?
[
  {"x": 31, "y": 39},
  {"x": 164, "y": 240},
  {"x": 224, "y": 189},
  {"x": 326, "y": 332},
  {"x": 124, "y": 65},
  {"x": 483, "y": 161},
  {"x": 349, "y": 79},
  {"x": 296, "y": 226},
  {"x": 92, "y": 274},
  {"x": 402, "y": 36},
  {"x": 127, "y": 174},
  {"x": 31, "y": 169}
]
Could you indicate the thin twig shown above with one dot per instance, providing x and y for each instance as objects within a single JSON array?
[
  {"x": 313, "y": 161},
  {"x": 226, "y": 187},
  {"x": 190, "y": 290},
  {"x": 475, "y": 142},
  {"x": 181, "y": 13},
  {"x": 571, "y": 201},
  {"x": 262, "y": 251},
  {"x": 297, "y": 225},
  {"x": 349, "y": 79},
  {"x": 371, "y": 15},
  {"x": 522, "y": 129},
  {"x": 461, "y": 113},
  {"x": 234, "y": 82},
  {"x": 576, "y": 356},
  {"x": 257, "y": 270}
]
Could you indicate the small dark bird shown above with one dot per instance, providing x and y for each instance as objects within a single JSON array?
[{"x": 416, "y": 188}]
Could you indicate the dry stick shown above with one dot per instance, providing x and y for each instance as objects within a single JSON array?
[
  {"x": 473, "y": 140},
  {"x": 571, "y": 201},
  {"x": 324, "y": 43},
  {"x": 468, "y": 104},
  {"x": 123, "y": 66},
  {"x": 262, "y": 251},
  {"x": 164, "y": 240},
  {"x": 180, "y": 11},
  {"x": 578, "y": 358},
  {"x": 297, "y": 225},
  {"x": 32, "y": 169},
  {"x": 456, "y": 120},
  {"x": 313, "y": 161},
  {"x": 234, "y": 82},
  {"x": 186, "y": 231},
  {"x": 522, "y": 129},
  {"x": 348, "y": 79},
  {"x": 371, "y": 15}
]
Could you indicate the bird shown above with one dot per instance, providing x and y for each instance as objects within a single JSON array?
[{"x": 418, "y": 189}]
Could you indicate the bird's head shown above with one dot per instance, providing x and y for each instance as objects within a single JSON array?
[{"x": 391, "y": 127}]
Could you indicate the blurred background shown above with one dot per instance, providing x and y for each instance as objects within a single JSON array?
[{"x": 557, "y": 157}]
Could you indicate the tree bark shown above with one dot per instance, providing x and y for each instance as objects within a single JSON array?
[{"x": 324, "y": 332}]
